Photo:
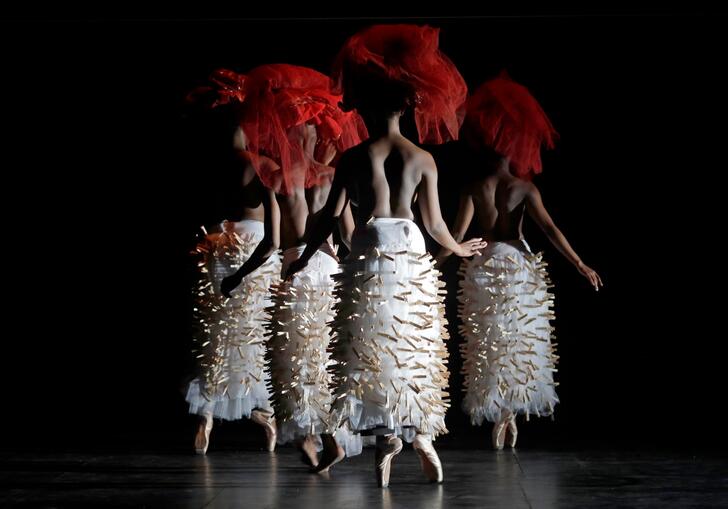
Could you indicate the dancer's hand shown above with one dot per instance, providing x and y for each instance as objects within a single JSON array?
[
  {"x": 470, "y": 247},
  {"x": 329, "y": 250},
  {"x": 295, "y": 266},
  {"x": 590, "y": 274},
  {"x": 326, "y": 152},
  {"x": 229, "y": 284}
]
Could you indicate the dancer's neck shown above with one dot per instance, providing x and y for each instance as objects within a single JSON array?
[
  {"x": 503, "y": 167},
  {"x": 384, "y": 126}
]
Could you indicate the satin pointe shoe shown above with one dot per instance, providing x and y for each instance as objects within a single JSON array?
[
  {"x": 429, "y": 459},
  {"x": 202, "y": 439},
  {"x": 500, "y": 428},
  {"x": 268, "y": 422},
  {"x": 512, "y": 434},
  {"x": 331, "y": 455},
  {"x": 386, "y": 449}
]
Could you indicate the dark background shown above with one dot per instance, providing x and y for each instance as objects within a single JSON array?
[{"x": 105, "y": 185}]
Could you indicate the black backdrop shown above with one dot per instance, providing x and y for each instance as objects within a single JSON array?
[{"x": 106, "y": 184}]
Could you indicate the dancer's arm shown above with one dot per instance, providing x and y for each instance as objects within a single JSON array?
[
  {"x": 267, "y": 246},
  {"x": 326, "y": 221},
  {"x": 346, "y": 226},
  {"x": 537, "y": 211},
  {"x": 466, "y": 210},
  {"x": 432, "y": 216}
]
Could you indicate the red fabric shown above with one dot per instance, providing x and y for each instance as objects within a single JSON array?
[
  {"x": 262, "y": 164},
  {"x": 505, "y": 116},
  {"x": 226, "y": 87},
  {"x": 280, "y": 100},
  {"x": 230, "y": 86},
  {"x": 409, "y": 54}
]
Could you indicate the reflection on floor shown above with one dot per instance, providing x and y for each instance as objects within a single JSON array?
[{"x": 254, "y": 479}]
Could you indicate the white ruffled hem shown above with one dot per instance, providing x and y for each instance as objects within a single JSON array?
[{"x": 223, "y": 407}]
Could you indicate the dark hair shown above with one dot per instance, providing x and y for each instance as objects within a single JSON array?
[{"x": 368, "y": 89}]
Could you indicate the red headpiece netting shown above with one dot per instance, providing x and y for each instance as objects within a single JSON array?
[
  {"x": 504, "y": 116},
  {"x": 226, "y": 87},
  {"x": 408, "y": 55},
  {"x": 281, "y": 99}
]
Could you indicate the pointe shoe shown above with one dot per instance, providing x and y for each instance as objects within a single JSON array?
[
  {"x": 268, "y": 422},
  {"x": 331, "y": 455},
  {"x": 429, "y": 459},
  {"x": 512, "y": 435},
  {"x": 499, "y": 435},
  {"x": 387, "y": 448},
  {"x": 202, "y": 439},
  {"x": 500, "y": 428},
  {"x": 307, "y": 446}
]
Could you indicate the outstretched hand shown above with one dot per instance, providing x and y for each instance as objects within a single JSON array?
[
  {"x": 470, "y": 247},
  {"x": 229, "y": 284},
  {"x": 590, "y": 274},
  {"x": 293, "y": 267},
  {"x": 328, "y": 249},
  {"x": 327, "y": 152}
]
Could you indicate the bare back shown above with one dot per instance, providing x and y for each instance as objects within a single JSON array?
[
  {"x": 500, "y": 202},
  {"x": 248, "y": 203},
  {"x": 381, "y": 178},
  {"x": 299, "y": 210},
  {"x": 385, "y": 175}
]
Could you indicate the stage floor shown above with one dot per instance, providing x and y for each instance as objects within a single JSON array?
[{"x": 473, "y": 478}]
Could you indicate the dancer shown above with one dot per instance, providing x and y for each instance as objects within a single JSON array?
[
  {"x": 298, "y": 122},
  {"x": 391, "y": 377},
  {"x": 505, "y": 302},
  {"x": 229, "y": 339}
]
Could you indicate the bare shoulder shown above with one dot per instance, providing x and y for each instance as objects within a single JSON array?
[
  {"x": 527, "y": 189},
  {"x": 423, "y": 159},
  {"x": 276, "y": 180},
  {"x": 268, "y": 162}
]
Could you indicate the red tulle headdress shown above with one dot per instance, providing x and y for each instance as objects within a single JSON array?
[
  {"x": 407, "y": 55},
  {"x": 504, "y": 116},
  {"x": 280, "y": 101},
  {"x": 225, "y": 87}
]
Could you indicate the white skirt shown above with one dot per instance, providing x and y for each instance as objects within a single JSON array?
[
  {"x": 298, "y": 344},
  {"x": 508, "y": 357},
  {"x": 390, "y": 332},
  {"x": 230, "y": 338}
]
